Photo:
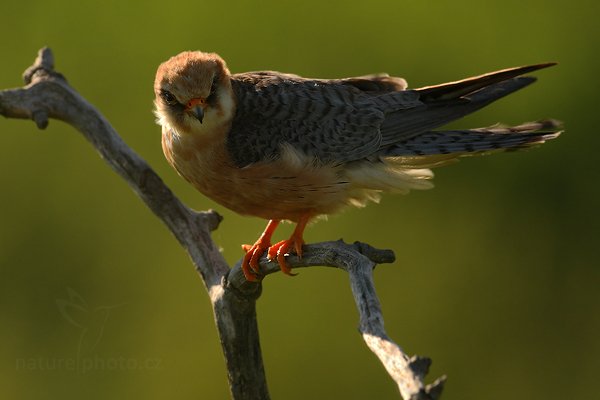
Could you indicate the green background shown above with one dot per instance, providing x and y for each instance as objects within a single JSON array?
[{"x": 496, "y": 275}]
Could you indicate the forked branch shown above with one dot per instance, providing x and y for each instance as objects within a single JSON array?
[{"x": 47, "y": 95}]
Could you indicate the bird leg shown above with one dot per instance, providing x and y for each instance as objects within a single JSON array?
[
  {"x": 250, "y": 265},
  {"x": 295, "y": 242}
]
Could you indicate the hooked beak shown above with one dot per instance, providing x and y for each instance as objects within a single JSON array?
[
  {"x": 196, "y": 107},
  {"x": 198, "y": 113}
]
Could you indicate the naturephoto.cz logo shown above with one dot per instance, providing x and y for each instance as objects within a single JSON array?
[
  {"x": 91, "y": 322},
  {"x": 88, "y": 364}
]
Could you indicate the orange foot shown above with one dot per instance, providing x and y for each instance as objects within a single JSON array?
[
  {"x": 250, "y": 265},
  {"x": 280, "y": 250}
]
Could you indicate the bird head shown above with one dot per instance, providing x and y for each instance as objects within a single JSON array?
[{"x": 193, "y": 92}]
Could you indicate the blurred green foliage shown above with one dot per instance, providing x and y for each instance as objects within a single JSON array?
[{"x": 497, "y": 273}]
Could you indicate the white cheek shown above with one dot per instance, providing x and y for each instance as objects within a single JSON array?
[
  {"x": 227, "y": 105},
  {"x": 166, "y": 119},
  {"x": 162, "y": 117}
]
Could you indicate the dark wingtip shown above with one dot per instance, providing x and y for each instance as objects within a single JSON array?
[
  {"x": 546, "y": 65},
  {"x": 530, "y": 68},
  {"x": 453, "y": 90}
]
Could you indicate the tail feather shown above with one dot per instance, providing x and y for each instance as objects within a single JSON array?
[{"x": 458, "y": 143}]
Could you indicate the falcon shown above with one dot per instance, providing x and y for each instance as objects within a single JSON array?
[{"x": 282, "y": 147}]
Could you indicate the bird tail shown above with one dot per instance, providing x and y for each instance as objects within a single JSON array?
[{"x": 436, "y": 148}]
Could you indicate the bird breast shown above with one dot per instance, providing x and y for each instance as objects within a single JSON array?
[{"x": 285, "y": 188}]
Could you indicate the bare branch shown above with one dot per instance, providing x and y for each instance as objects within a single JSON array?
[
  {"x": 359, "y": 260},
  {"x": 48, "y": 95}
]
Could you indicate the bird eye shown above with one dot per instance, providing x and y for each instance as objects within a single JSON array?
[{"x": 168, "y": 97}]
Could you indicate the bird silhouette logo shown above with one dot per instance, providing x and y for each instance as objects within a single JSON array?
[{"x": 91, "y": 321}]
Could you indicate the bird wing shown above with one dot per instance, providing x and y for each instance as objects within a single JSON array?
[
  {"x": 343, "y": 120},
  {"x": 332, "y": 121}
]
